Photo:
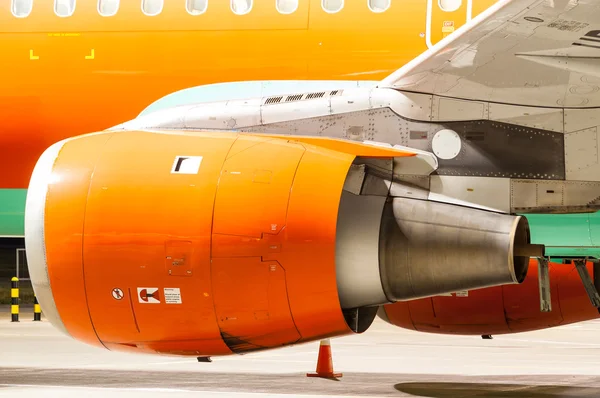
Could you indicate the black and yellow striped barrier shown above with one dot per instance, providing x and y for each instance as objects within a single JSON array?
[
  {"x": 37, "y": 310},
  {"x": 14, "y": 299}
]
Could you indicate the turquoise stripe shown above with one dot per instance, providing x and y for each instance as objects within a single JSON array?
[{"x": 12, "y": 212}]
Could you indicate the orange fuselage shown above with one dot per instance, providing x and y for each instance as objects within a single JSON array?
[{"x": 65, "y": 76}]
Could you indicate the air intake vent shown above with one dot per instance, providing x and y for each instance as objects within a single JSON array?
[
  {"x": 273, "y": 100},
  {"x": 296, "y": 97},
  {"x": 335, "y": 92},
  {"x": 315, "y": 95}
]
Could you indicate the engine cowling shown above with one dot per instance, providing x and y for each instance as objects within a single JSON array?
[
  {"x": 208, "y": 243},
  {"x": 500, "y": 309}
]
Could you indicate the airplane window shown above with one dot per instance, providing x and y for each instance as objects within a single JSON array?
[
  {"x": 332, "y": 6},
  {"x": 108, "y": 8},
  {"x": 64, "y": 8},
  {"x": 241, "y": 7},
  {"x": 449, "y": 5},
  {"x": 379, "y": 5},
  {"x": 287, "y": 6},
  {"x": 152, "y": 7},
  {"x": 21, "y": 8},
  {"x": 196, "y": 7}
]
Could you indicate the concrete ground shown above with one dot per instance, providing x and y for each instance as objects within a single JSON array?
[{"x": 36, "y": 360}]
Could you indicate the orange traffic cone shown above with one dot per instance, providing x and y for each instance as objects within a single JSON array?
[{"x": 325, "y": 363}]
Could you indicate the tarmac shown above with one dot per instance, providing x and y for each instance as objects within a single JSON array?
[{"x": 37, "y": 360}]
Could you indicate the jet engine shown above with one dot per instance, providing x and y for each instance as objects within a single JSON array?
[{"x": 208, "y": 243}]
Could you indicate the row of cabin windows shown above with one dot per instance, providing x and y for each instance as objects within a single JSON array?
[{"x": 107, "y": 8}]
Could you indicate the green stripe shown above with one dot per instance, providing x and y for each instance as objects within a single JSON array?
[
  {"x": 12, "y": 212},
  {"x": 567, "y": 235}
]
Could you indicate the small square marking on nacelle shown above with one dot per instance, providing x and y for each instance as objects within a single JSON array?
[{"x": 186, "y": 165}]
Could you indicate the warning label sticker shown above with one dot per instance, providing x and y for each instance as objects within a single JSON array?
[
  {"x": 148, "y": 295},
  {"x": 448, "y": 27},
  {"x": 172, "y": 295}
]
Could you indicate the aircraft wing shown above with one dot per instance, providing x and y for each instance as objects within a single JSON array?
[{"x": 543, "y": 53}]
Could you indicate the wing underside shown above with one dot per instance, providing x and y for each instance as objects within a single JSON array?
[{"x": 542, "y": 53}]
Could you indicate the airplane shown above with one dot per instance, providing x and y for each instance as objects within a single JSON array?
[
  {"x": 73, "y": 67},
  {"x": 133, "y": 207}
]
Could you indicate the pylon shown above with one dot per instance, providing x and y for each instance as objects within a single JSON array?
[{"x": 325, "y": 363}]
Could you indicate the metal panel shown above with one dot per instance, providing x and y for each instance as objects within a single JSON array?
[
  {"x": 554, "y": 196},
  {"x": 485, "y": 192},
  {"x": 350, "y": 101},
  {"x": 501, "y": 150},
  {"x": 519, "y": 52},
  {"x": 449, "y": 109},
  {"x": 230, "y": 115},
  {"x": 410, "y": 105},
  {"x": 581, "y": 155},
  {"x": 538, "y": 118},
  {"x": 523, "y": 194},
  {"x": 357, "y": 251},
  {"x": 410, "y": 187},
  {"x": 297, "y": 110},
  {"x": 581, "y": 119},
  {"x": 549, "y": 194}
]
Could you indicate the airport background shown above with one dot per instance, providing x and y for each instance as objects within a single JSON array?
[{"x": 8, "y": 261}]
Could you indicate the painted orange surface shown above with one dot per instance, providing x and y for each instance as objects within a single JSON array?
[
  {"x": 503, "y": 309},
  {"x": 73, "y": 75},
  {"x": 253, "y": 269},
  {"x": 64, "y": 222}
]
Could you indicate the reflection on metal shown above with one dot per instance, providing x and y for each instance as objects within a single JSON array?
[
  {"x": 357, "y": 251},
  {"x": 544, "y": 285},
  {"x": 588, "y": 284},
  {"x": 429, "y": 248},
  {"x": 529, "y": 250}
]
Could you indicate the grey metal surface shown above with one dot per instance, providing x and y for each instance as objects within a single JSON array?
[
  {"x": 537, "y": 196},
  {"x": 588, "y": 284},
  {"x": 357, "y": 251},
  {"x": 528, "y": 52},
  {"x": 489, "y": 148},
  {"x": 430, "y": 248},
  {"x": 452, "y": 137},
  {"x": 544, "y": 285}
]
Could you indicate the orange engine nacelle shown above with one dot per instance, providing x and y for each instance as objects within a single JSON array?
[
  {"x": 136, "y": 241},
  {"x": 501, "y": 309}
]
